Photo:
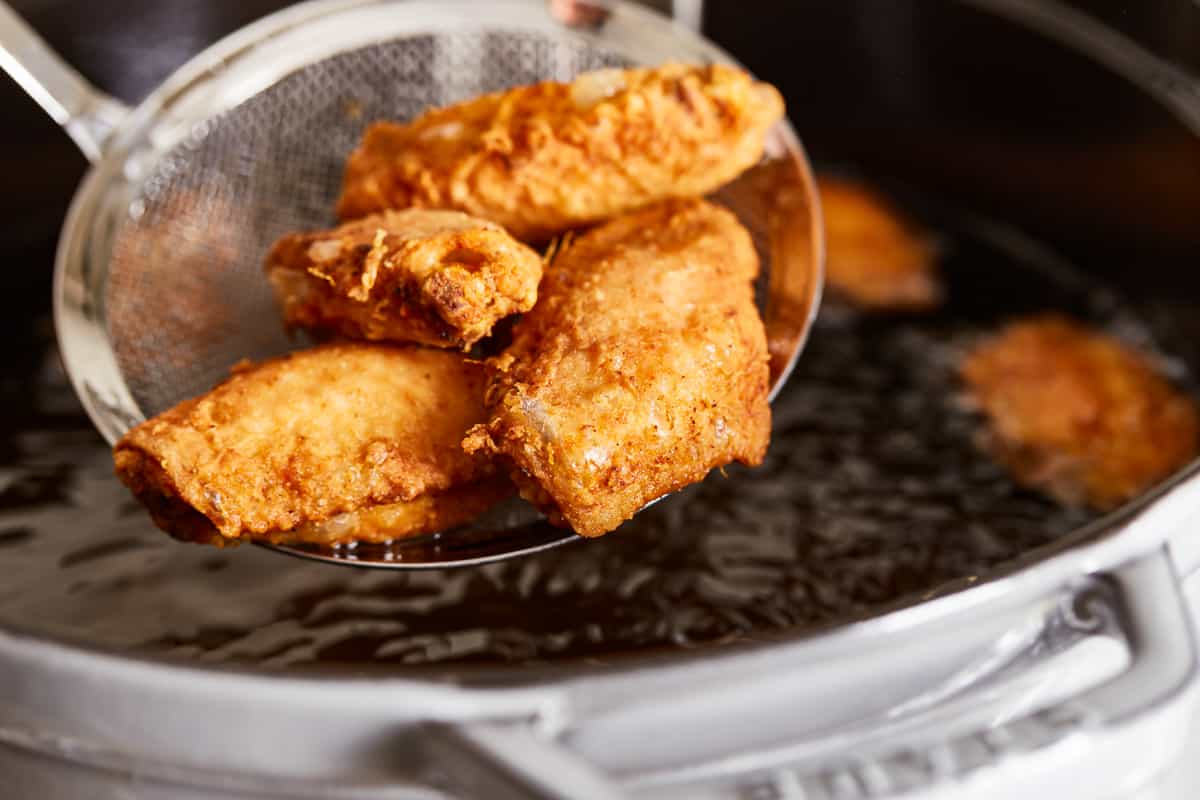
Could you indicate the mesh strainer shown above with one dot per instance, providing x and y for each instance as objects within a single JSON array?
[{"x": 158, "y": 283}]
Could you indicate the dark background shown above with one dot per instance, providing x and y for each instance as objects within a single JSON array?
[{"x": 887, "y": 87}]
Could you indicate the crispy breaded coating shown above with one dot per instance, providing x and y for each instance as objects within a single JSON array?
[
  {"x": 291, "y": 443},
  {"x": 427, "y": 513},
  {"x": 440, "y": 278},
  {"x": 642, "y": 367},
  {"x": 874, "y": 256},
  {"x": 545, "y": 158},
  {"x": 1077, "y": 414}
]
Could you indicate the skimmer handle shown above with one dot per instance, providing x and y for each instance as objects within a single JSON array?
[
  {"x": 88, "y": 115},
  {"x": 688, "y": 13}
]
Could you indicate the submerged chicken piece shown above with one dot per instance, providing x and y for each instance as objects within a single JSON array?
[
  {"x": 873, "y": 255},
  {"x": 440, "y": 278},
  {"x": 1077, "y": 414},
  {"x": 544, "y": 158},
  {"x": 285, "y": 449},
  {"x": 643, "y": 366}
]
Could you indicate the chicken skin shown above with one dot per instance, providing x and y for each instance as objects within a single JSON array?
[
  {"x": 545, "y": 158},
  {"x": 1077, "y": 414},
  {"x": 305, "y": 447},
  {"x": 642, "y": 367},
  {"x": 875, "y": 257},
  {"x": 439, "y": 278}
]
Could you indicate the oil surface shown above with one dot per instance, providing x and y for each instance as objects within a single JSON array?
[{"x": 874, "y": 490}]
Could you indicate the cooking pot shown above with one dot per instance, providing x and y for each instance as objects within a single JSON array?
[{"x": 786, "y": 633}]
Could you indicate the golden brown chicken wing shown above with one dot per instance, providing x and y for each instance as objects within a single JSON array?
[
  {"x": 1078, "y": 414},
  {"x": 541, "y": 159},
  {"x": 434, "y": 511},
  {"x": 873, "y": 255},
  {"x": 282, "y": 448},
  {"x": 436, "y": 277},
  {"x": 643, "y": 366}
]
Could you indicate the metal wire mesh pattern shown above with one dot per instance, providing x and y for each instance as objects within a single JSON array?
[{"x": 186, "y": 296}]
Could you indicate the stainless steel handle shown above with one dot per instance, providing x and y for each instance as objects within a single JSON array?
[
  {"x": 1140, "y": 602},
  {"x": 1142, "y": 599},
  {"x": 1162, "y": 645},
  {"x": 957, "y": 738},
  {"x": 689, "y": 13},
  {"x": 509, "y": 762},
  {"x": 87, "y": 115}
]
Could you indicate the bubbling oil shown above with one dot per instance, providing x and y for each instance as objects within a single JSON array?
[{"x": 874, "y": 492}]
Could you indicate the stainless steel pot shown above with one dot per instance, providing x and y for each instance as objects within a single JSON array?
[{"x": 945, "y": 687}]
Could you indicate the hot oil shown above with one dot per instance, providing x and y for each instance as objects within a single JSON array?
[{"x": 874, "y": 491}]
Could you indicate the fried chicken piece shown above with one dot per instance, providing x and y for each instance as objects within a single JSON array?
[
  {"x": 1077, "y": 414},
  {"x": 642, "y": 367},
  {"x": 440, "y": 278},
  {"x": 541, "y": 159},
  {"x": 873, "y": 255},
  {"x": 282, "y": 448},
  {"x": 427, "y": 513}
]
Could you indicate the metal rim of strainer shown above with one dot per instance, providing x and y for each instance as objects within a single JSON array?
[{"x": 256, "y": 58}]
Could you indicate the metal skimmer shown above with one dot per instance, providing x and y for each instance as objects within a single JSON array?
[{"x": 159, "y": 286}]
